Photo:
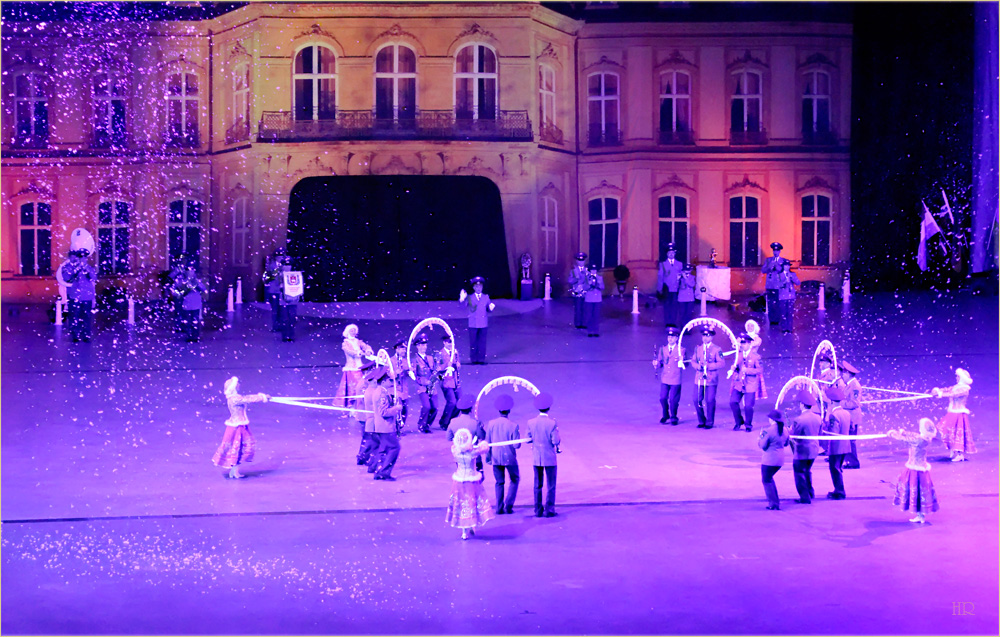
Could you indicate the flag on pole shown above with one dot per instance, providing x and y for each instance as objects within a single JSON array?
[
  {"x": 928, "y": 230},
  {"x": 946, "y": 209}
]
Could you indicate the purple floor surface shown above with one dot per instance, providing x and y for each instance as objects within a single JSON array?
[{"x": 116, "y": 522}]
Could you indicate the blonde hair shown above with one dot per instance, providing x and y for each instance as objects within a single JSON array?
[
  {"x": 963, "y": 376},
  {"x": 462, "y": 440},
  {"x": 927, "y": 427},
  {"x": 230, "y": 387}
]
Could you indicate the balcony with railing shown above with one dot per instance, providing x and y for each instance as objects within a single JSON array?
[
  {"x": 676, "y": 138},
  {"x": 597, "y": 136},
  {"x": 819, "y": 138},
  {"x": 280, "y": 126},
  {"x": 748, "y": 137}
]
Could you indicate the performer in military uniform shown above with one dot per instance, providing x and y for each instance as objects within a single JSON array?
[
  {"x": 447, "y": 364},
  {"x": 367, "y": 417},
  {"x": 479, "y": 305},
  {"x": 839, "y": 423},
  {"x": 577, "y": 282},
  {"x": 426, "y": 376},
  {"x": 401, "y": 366},
  {"x": 504, "y": 458},
  {"x": 289, "y": 304},
  {"x": 685, "y": 295},
  {"x": 545, "y": 440},
  {"x": 707, "y": 362},
  {"x": 668, "y": 278},
  {"x": 826, "y": 379},
  {"x": 668, "y": 370},
  {"x": 804, "y": 452},
  {"x": 384, "y": 457},
  {"x": 787, "y": 280},
  {"x": 592, "y": 298},
  {"x": 273, "y": 284},
  {"x": 189, "y": 289},
  {"x": 746, "y": 374},
  {"x": 771, "y": 269},
  {"x": 852, "y": 403},
  {"x": 464, "y": 419},
  {"x": 80, "y": 277}
]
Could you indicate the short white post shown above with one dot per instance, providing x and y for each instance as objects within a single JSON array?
[
  {"x": 846, "y": 290},
  {"x": 131, "y": 310},
  {"x": 635, "y": 299},
  {"x": 822, "y": 297},
  {"x": 548, "y": 288},
  {"x": 704, "y": 302},
  {"x": 239, "y": 291},
  {"x": 229, "y": 301},
  {"x": 59, "y": 310}
]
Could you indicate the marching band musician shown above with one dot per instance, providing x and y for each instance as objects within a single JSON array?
[
  {"x": 838, "y": 424},
  {"x": 685, "y": 295},
  {"x": 368, "y": 440},
  {"x": 592, "y": 298},
  {"x": 804, "y": 452},
  {"x": 384, "y": 458},
  {"x": 401, "y": 366},
  {"x": 504, "y": 458},
  {"x": 787, "y": 280},
  {"x": 707, "y": 362},
  {"x": 188, "y": 289},
  {"x": 771, "y": 269},
  {"x": 424, "y": 372},
  {"x": 577, "y": 286},
  {"x": 79, "y": 276},
  {"x": 746, "y": 374},
  {"x": 272, "y": 283},
  {"x": 852, "y": 403},
  {"x": 288, "y": 301},
  {"x": 668, "y": 278},
  {"x": 668, "y": 369},
  {"x": 447, "y": 364},
  {"x": 479, "y": 305},
  {"x": 827, "y": 378}
]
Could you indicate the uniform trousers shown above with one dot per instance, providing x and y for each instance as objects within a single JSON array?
[
  {"x": 704, "y": 404},
  {"x": 288, "y": 315},
  {"x": 837, "y": 474},
  {"x": 785, "y": 309},
  {"x": 428, "y": 409},
  {"x": 190, "y": 324},
  {"x": 368, "y": 444},
  {"x": 851, "y": 460},
  {"x": 548, "y": 476},
  {"x": 272, "y": 299},
  {"x": 578, "y": 312},
  {"x": 477, "y": 344},
  {"x": 507, "y": 505},
  {"x": 749, "y": 400},
  {"x": 386, "y": 454},
  {"x": 671, "y": 309},
  {"x": 802, "y": 470},
  {"x": 670, "y": 398},
  {"x": 79, "y": 319},
  {"x": 771, "y": 296},
  {"x": 770, "y": 489},
  {"x": 450, "y": 409},
  {"x": 592, "y": 317}
]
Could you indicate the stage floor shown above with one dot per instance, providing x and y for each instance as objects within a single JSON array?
[{"x": 115, "y": 521}]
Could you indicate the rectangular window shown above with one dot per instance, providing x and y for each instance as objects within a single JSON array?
[
  {"x": 241, "y": 232},
  {"x": 603, "y": 227},
  {"x": 744, "y": 226},
  {"x": 815, "y": 230},
  {"x": 35, "y": 239},
  {"x": 183, "y": 231},
  {"x": 550, "y": 231},
  {"x": 673, "y": 226},
  {"x": 113, "y": 237}
]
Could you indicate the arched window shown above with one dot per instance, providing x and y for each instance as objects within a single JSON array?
[
  {"x": 183, "y": 230},
  {"x": 240, "y": 127},
  {"x": 109, "y": 110},
  {"x": 816, "y": 217},
  {"x": 31, "y": 110},
  {"x": 182, "y": 109},
  {"x": 747, "y": 104},
  {"x": 673, "y": 225},
  {"x": 744, "y": 231},
  {"x": 315, "y": 80},
  {"x": 113, "y": 237},
  {"x": 550, "y": 230},
  {"x": 675, "y": 105},
  {"x": 815, "y": 105},
  {"x": 241, "y": 231},
  {"x": 396, "y": 83},
  {"x": 35, "y": 238},
  {"x": 476, "y": 83},
  {"x": 604, "y": 231},
  {"x": 604, "y": 109}
]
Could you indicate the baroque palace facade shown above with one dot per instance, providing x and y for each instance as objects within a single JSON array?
[{"x": 174, "y": 137}]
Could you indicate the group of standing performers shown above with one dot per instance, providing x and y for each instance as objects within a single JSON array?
[
  {"x": 587, "y": 288},
  {"x": 281, "y": 297}
]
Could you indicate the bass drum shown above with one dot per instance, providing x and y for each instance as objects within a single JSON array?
[{"x": 81, "y": 239}]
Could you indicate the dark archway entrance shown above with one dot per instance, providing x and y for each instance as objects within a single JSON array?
[{"x": 398, "y": 238}]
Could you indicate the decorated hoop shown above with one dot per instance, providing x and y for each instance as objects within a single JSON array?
[
  {"x": 513, "y": 381},
  {"x": 707, "y": 320},
  {"x": 429, "y": 322},
  {"x": 823, "y": 346},
  {"x": 802, "y": 381}
]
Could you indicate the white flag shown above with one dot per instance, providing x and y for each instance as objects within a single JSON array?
[{"x": 928, "y": 228}]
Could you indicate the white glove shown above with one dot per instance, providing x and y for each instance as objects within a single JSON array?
[
  {"x": 412, "y": 376},
  {"x": 462, "y": 296},
  {"x": 492, "y": 306},
  {"x": 729, "y": 374},
  {"x": 654, "y": 363},
  {"x": 449, "y": 371}
]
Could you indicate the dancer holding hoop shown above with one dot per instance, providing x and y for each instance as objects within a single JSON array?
[
  {"x": 954, "y": 427},
  {"x": 914, "y": 488}
]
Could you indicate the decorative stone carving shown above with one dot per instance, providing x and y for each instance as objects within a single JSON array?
[
  {"x": 818, "y": 59},
  {"x": 548, "y": 51},
  {"x": 818, "y": 183},
  {"x": 676, "y": 57},
  {"x": 476, "y": 30},
  {"x": 747, "y": 58},
  {"x": 604, "y": 61},
  {"x": 604, "y": 188},
  {"x": 674, "y": 182},
  {"x": 746, "y": 183}
]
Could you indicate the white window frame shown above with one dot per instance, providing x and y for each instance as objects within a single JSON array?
[
  {"x": 104, "y": 104},
  {"x": 812, "y": 79},
  {"x": 395, "y": 76},
  {"x": 186, "y": 127},
  {"x": 677, "y": 98},
  {"x": 743, "y": 226},
  {"x": 34, "y": 227},
  {"x": 549, "y": 230},
  {"x": 113, "y": 226},
  {"x": 315, "y": 79},
  {"x": 675, "y": 220},
  {"x": 37, "y": 84},
  {"x": 184, "y": 225},
  {"x": 604, "y": 97},
  {"x": 241, "y": 94},
  {"x": 815, "y": 219},
  {"x": 241, "y": 231},
  {"x": 747, "y": 98},
  {"x": 546, "y": 98},
  {"x": 476, "y": 77},
  {"x": 604, "y": 222}
]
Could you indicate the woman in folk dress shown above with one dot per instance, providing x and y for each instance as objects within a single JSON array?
[
  {"x": 914, "y": 489},
  {"x": 954, "y": 427},
  {"x": 238, "y": 443},
  {"x": 469, "y": 507},
  {"x": 352, "y": 383}
]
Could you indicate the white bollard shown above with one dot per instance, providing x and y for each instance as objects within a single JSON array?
[
  {"x": 239, "y": 291},
  {"x": 59, "y": 311},
  {"x": 548, "y": 288},
  {"x": 635, "y": 299},
  {"x": 846, "y": 290},
  {"x": 822, "y": 297},
  {"x": 229, "y": 301},
  {"x": 131, "y": 311},
  {"x": 704, "y": 302}
]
